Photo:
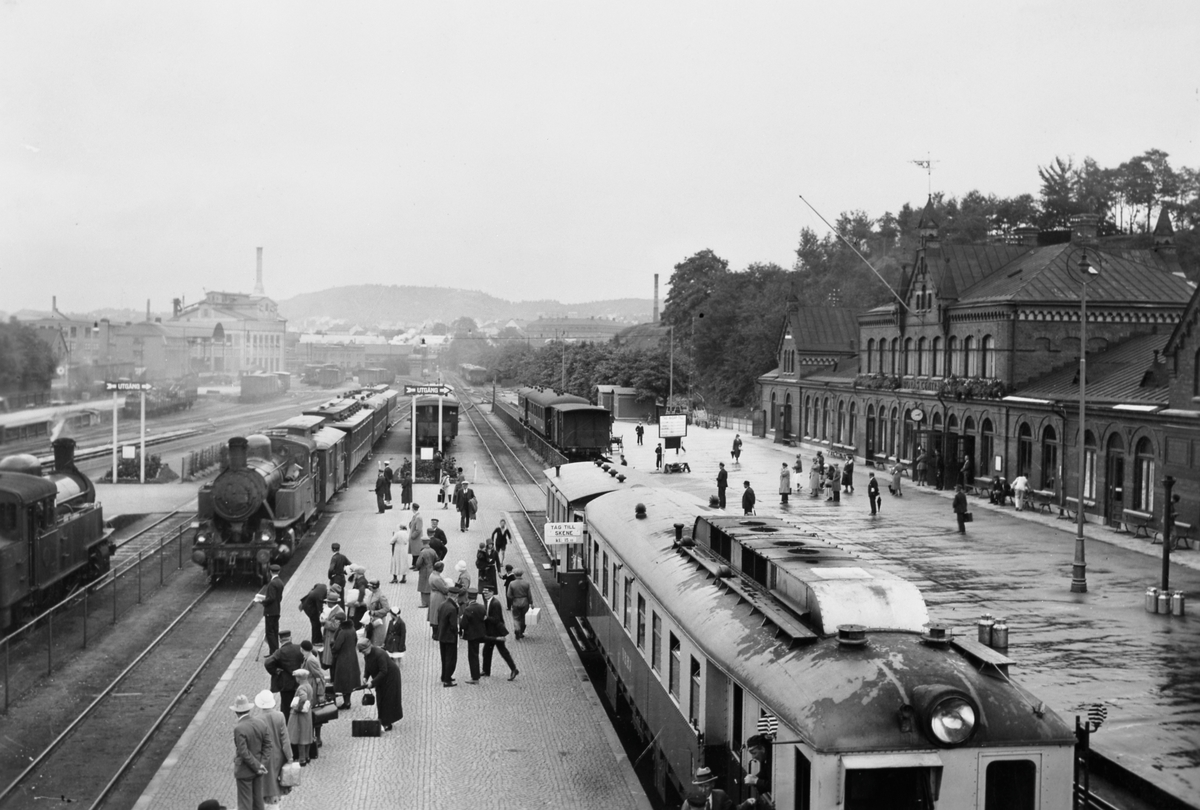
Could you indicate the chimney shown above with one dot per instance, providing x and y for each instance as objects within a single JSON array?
[
  {"x": 654, "y": 319},
  {"x": 176, "y": 307},
  {"x": 148, "y": 318},
  {"x": 64, "y": 454},
  {"x": 237, "y": 452},
  {"x": 54, "y": 300},
  {"x": 258, "y": 287},
  {"x": 1085, "y": 228}
]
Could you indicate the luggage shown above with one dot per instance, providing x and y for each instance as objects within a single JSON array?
[
  {"x": 289, "y": 775},
  {"x": 325, "y": 713},
  {"x": 531, "y": 618},
  {"x": 968, "y": 517},
  {"x": 369, "y": 699},
  {"x": 365, "y": 728}
]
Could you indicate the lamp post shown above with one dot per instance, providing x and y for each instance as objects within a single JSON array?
[
  {"x": 1079, "y": 564},
  {"x": 671, "y": 381}
]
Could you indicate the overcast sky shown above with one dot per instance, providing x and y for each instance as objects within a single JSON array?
[{"x": 563, "y": 150}]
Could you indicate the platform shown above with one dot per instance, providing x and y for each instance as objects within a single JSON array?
[{"x": 541, "y": 740}]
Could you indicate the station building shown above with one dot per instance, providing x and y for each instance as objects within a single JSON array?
[
  {"x": 231, "y": 333},
  {"x": 982, "y": 359}
]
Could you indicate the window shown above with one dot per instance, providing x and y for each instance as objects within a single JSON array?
[
  {"x": 922, "y": 357},
  {"x": 895, "y": 359},
  {"x": 1010, "y": 785},
  {"x": 616, "y": 587},
  {"x": 970, "y": 359},
  {"x": 853, "y": 437},
  {"x": 1143, "y": 477},
  {"x": 880, "y": 366},
  {"x": 673, "y": 665},
  {"x": 694, "y": 696},
  {"x": 641, "y": 622},
  {"x": 988, "y": 351},
  {"x": 655, "y": 642},
  {"x": 894, "y": 431},
  {"x": 841, "y": 422},
  {"x": 735, "y": 722},
  {"x": 1089, "y": 465},
  {"x": 953, "y": 359},
  {"x": 1024, "y": 450},
  {"x": 774, "y": 408},
  {"x": 871, "y": 354},
  {"x": 804, "y": 428},
  {"x": 987, "y": 447},
  {"x": 1049, "y": 457},
  {"x": 604, "y": 584},
  {"x": 825, "y": 418},
  {"x": 628, "y": 603},
  {"x": 925, "y": 300},
  {"x": 909, "y": 364}
]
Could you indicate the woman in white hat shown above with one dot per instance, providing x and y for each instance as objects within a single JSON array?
[
  {"x": 300, "y": 724},
  {"x": 281, "y": 751},
  {"x": 463, "y": 583}
]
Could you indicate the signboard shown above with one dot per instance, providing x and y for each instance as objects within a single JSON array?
[
  {"x": 562, "y": 534},
  {"x": 427, "y": 390},
  {"x": 672, "y": 424},
  {"x": 128, "y": 451},
  {"x": 127, "y": 386}
]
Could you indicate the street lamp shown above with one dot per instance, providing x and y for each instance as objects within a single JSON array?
[{"x": 1079, "y": 565}]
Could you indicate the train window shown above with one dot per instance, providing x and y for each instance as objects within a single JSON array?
[
  {"x": 595, "y": 562},
  {"x": 803, "y": 784},
  {"x": 604, "y": 581},
  {"x": 735, "y": 721},
  {"x": 628, "y": 601},
  {"x": 897, "y": 788},
  {"x": 673, "y": 667},
  {"x": 615, "y": 589},
  {"x": 694, "y": 697},
  {"x": 655, "y": 641},
  {"x": 8, "y": 517},
  {"x": 1011, "y": 785},
  {"x": 641, "y": 622}
]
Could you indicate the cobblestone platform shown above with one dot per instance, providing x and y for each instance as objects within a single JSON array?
[{"x": 542, "y": 740}]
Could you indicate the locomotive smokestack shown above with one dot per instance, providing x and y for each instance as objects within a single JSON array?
[
  {"x": 237, "y": 452},
  {"x": 258, "y": 285},
  {"x": 64, "y": 454},
  {"x": 654, "y": 318}
]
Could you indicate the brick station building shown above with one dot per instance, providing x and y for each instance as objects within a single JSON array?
[{"x": 982, "y": 361}]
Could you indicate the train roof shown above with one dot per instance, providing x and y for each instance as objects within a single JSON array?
[
  {"x": 548, "y": 396},
  {"x": 837, "y": 697},
  {"x": 304, "y": 422},
  {"x": 581, "y": 407},
  {"x": 581, "y": 481},
  {"x": 27, "y": 488},
  {"x": 432, "y": 399},
  {"x": 354, "y": 420},
  {"x": 334, "y": 409},
  {"x": 328, "y": 437}
]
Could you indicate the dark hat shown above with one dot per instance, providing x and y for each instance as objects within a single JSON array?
[
  {"x": 374, "y": 583},
  {"x": 331, "y": 599},
  {"x": 486, "y": 586},
  {"x": 336, "y": 547},
  {"x": 704, "y": 776},
  {"x": 285, "y": 635},
  {"x": 472, "y": 592},
  {"x": 211, "y": 804},
  {"x": 275, "y": 569}
]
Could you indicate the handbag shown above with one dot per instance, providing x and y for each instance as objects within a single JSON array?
[
  {"x": 325, "y": 713},
  {"x": 441, "y": 496},
  {"x": 289, "y": 775},
  {"x": 369, "y": 698}
]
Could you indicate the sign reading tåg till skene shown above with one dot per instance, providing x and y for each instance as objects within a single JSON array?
[{"x": 562, "y": 534}]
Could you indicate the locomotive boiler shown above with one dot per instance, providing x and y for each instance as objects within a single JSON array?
[
  {"x": 252, "y": 514},
  {"x": 52, "y": 532}
]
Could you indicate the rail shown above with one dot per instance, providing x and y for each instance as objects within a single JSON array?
[{"x": 67, "y": 626}]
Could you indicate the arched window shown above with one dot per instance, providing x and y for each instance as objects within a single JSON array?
[
  {"x": 893, "y": 432},
  {"x": 988, "y": 351},
  {"x": 924, "y": 297},
  {"x": 787, "y": 413},
  {"x": 841, "y": 422},
  {"x": 773, "y": 408},
  {"x": 936, "y": 362},
  {"x": 971, "y": 364},
  {"x": 825, "y": 418},
  {"x": 1089, "y": 465},
  {"x": 1143, "y": 477},
  {"x": 880, "y": 367},
  {"x": 895, "y": 355},
  {"x": 1024, "y": 449},
  {"x": 870, "y": 354},
  {"x": 922, "y": 357},
  {"x": 871, "y": 439},
  {"x": 1049, "y": 457},
  {"x": 806, "y": 416},
  {"x": 853, "y": 434},
  {"x": 909, "y": 365},
  {"x": 953, "y": 361},
  {"x": 987, "y": 446}
]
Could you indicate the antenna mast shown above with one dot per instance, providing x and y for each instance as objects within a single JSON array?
[{"x": 927, "y": 165}]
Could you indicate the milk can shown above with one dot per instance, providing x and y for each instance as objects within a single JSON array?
[
  {"x": 1164, "y": 602},
  {"x": 985, "y": 629},
  {"x": 1000, "y": 635},
  {"x": 1177, "y": 603},
  {"x": 1152, "y": 600}
]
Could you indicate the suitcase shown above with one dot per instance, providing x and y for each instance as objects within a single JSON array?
[
  {"x": 325, "y": 713},
  {"x": 289, "y": 775},
  {"x": 365, "y": 728}
]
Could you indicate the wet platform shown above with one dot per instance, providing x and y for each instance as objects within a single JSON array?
[
  {"x": 1071, "y": 649},
  {"x": 142, "y": 499},
  {"x": 541, "y": 740}
]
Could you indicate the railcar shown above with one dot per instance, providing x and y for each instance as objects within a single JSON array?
[
  {"x": 376, "y": 376},
  {"x": 52, "y": 531},
  {"x": 259, "y": 387},
  {"x": 360, "y": 435},
  {"x": 329, "y": 376},
  {"x": 426, "y": 426},
  {"x": 473, "y": 374},
  {"x": 569, "y": 423},
  {"x": 715, "y": 627},
  {"x": 335, "y": 410}
]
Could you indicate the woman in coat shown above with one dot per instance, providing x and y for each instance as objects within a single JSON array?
[
  {"x": 317, "y": 678},
  {"x": 463, "y": 583},
  {"x": 384, "y": 678},
  {"x": 439, "y": 590},
  {"x": 814, "y": 480},
  {"x": 332, "y": 619},
  {"x": 785, "y": 483},
  {"x": 356, "y": 593},
  {"x": 378, "y": 611},
  {"x": 406, "y": 490},
  {"x": 896, "y": 477},
  {"x": 416, "y": 534},
  {"x": 281, "y": 750},
  {"x": 300, "y": 723},
  {"x": 448, "y": 486},
  {"x": 396, "y": 635},
  {"x": 487, "y": 561},
  {"x": 345, "y": 676}
]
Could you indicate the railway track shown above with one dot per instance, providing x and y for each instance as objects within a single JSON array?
[
  {"x": 149, "y": 538},
  {"x": 85, "y": 761}
]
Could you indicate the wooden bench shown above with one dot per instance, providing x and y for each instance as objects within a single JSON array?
[
  {"x": 1142, "y": 523},
  {"x": 1071, "y": 506},
  {"x": 982, "y": 486},
  {"x": 1180, "y": 533},
  {"x": 1042, "y": 499}
]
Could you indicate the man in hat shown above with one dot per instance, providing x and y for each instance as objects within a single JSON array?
[
  {"x": 713, "y": 797},
  {"x": 425, "y": 561},
  {"x": 381, "y": 491},
  {"x": 520, "y": 596},
  {"x": 437, "y": 539},
  {"x": 472, "y": 625},
  {"x": 252, "y": 752},
  {"x": 747, "y": 499},
  {"x": 272, "y": 600},
  {"x": 447, "y": 636},
  {"x": 337, "y": 566},
  {"x": 280, "y": 665},
  {"x": 389, "y": 476},
  {"x": 311, "y": 605},
  {"x": 494, "y": 632},
  {"x": 211, "y": 804}
]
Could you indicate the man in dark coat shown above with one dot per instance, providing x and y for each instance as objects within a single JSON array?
[
  {"x": 281, "y": 664},
  {"x": 722, "y": 484},
  {"x": 520, "y": 597},
  {"x": 389, "y": 476},
  {"x": 311, "y": 605},
  {"x": 272, "y": 601},
  {"x": 465, "y": 509},
  {"x": 641, "y": 431},
  {"x": 873, "y": 492},
  {"x": 253, "y": 748},
  {"x": 406, "y": 490},
  {"x": 345, "y": 673},
  {"x": 384, "y": 677},
  {"x": 747, "y": 499},
  {"x": 337, "y": 567},
  {"x": 472, "y": 624},
  {"x": 437, "y": 539},
  {"x": 494, "y": 633},
  {"x": 960, "y": 508},
  {"x": 447, "y": 627},
  {"x": 381, "y": 489},
  {"x": 658, "y": 456}
]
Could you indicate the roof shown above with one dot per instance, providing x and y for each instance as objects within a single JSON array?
[
  {"x": 548, "y": 396},
  {"x": 1121, "y": 374},
  {"x": 956, "y": 268},
  {"x": 824, "y": 329},
  {"x": 26, "y": 488}
]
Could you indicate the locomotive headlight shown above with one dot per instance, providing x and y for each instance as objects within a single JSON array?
[
  {"x": 948, "y": 715},
  {"x": 201, "y": 539},
  {"x": 265, "y": 536}
]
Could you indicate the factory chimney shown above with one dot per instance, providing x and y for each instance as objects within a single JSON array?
[
  {"x": 148, "y": 318},
  {"x": 655, "y": 318},
  {"x": 258, "y": 285}
]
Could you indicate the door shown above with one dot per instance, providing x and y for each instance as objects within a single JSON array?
[{"x": 1114, "y": 481}]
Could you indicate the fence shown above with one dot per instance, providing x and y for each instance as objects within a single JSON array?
[
  {"x": 85, "y": 617},
  {"x": 733, "y": 423},
  {"x": 200, "y": 461}
]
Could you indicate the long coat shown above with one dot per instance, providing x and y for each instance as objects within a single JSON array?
[
  {"x": 406, "y": 490},
  {"x": 300, "y": 724},
  {"x": 463, "y": 584},
  {"x": 425, "y": 561},
  {"x": 252, "y": 746},
  {"x": 416, "y": 533},
  {"x": 396, "y": 635},
  {"x": 439, "y": 591},
  {"x": 346, "y": 675},
  {"x": 785, "y": 481},
  {"x": 814, "y": 480},
  {"x": 378, "y": 608},
  {"x": 333, "y": 621},
  {"x": 385, "y": 680},
  {"x": 281, "y": 751}
]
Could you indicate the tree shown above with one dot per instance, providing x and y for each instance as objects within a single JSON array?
[
  {"x": 692, "y": 284},
  {"x": 26, "y": 361}
]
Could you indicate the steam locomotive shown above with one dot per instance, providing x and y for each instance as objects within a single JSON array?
[
  {"x": 279, "y": 481},
  {"x": 749, "y": 646},
  {"x": 52, "y": 532}
]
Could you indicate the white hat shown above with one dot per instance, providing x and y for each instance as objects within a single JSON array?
[
  {"x": 461, "y": 565},
  {"x": 265, "y": 699}
]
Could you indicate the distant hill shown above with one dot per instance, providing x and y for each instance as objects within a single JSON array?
[{"x": 391, "y": 306}]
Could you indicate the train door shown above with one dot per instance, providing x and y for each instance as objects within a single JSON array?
[
  {"x": 572, "y": 571},
  {"x": 1114, "y": 481}
]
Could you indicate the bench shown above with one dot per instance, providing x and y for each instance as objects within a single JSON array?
[
  {"x": 1071, "y": 506},
  {"x": 616, "y": 441},
  {"x": 1142, "y": 523},
  {"x": 1043, "y": 499},
  {"x": 681, "y": 467},
  {"x": 1180, "y": 533},
  {"x": 982, "y": 486}
]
